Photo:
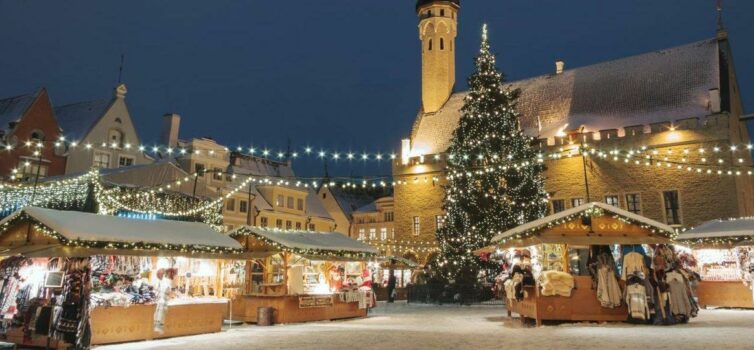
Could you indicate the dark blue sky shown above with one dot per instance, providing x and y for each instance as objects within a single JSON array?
[{"x": 339, "y": 74}]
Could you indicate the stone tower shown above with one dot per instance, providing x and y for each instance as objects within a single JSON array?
[{"x": 437, "y": 30}]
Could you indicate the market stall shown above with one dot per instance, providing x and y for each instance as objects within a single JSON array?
[
  {"x": 404, "y": 270},
  {"x": 576, "y": 265},
  {"x": 85, "y": 279},
  {"x": 303, "y": 276},
  {"x": 723, "y": 256}
]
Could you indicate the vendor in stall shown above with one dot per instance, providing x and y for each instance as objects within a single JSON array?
[{"x": 303, "y": 275}]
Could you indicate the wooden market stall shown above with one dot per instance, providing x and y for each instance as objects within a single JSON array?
[
  {"x": 723, "y": 251},
  {"x": 303, "y": 276},
  {"x": 176, "y": 265},
  {"x": 576, "y": 229}
]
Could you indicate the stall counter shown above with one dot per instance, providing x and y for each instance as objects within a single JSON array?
[
  {"x": 295, "y": 308},
  {"x": 724, "y": 294},
  {"x": 120, "y": 324},
  {"x": 582, "y": 305}
]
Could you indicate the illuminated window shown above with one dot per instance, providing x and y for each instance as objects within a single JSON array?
[
  {"x": 383, "y": 233},
  {"x": 575, "y": 202},
  {"x": 439, "y": 220},
  {"x": 372, "y": 233},
  {"x": 633, "y": 203},
  {"x": 280, "y": 201},
  {"x": 417, "y": 225},
  {"x": 362, "y": 234},
  {"x": 612, "y": 200}
]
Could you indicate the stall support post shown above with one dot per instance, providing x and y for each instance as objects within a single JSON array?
[{"x": 285, "y": 272}]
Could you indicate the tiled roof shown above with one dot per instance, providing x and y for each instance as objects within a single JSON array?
[
  {"x": 77, "y": 119},
  {"x": 658, "y": 86},
  {"x": 13, "y": 108},
  {"x": 369, "y": 208}
]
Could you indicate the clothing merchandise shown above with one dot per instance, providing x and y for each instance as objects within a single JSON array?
[
  {"x": 632, "y": 263},
  {"x": 556, "y": 283}
]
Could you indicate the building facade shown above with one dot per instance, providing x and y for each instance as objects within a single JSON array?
[
  {"x": 28, "y": 125},
  {"x": 104, "y": 134},
  {"x": 689, "y": 120}
]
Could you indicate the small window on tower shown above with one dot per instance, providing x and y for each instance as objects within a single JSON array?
[
  {"x": 430, "y": 44},
  {"x": 442, "y": 44},
  {"x": 442, "y": 13}
]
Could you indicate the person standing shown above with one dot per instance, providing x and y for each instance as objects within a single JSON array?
[{"x": 391, "y": 287}]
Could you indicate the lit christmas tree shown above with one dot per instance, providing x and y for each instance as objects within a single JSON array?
[{"x": 495, "y": 177}]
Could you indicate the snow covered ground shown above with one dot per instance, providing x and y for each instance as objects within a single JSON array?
[{"x": 401, "y": 326}]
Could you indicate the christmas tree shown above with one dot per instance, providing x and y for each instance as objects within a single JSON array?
[{"x": 494, "y": 172}]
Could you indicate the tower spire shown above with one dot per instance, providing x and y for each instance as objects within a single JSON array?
[{"x": 721, "y": 32}]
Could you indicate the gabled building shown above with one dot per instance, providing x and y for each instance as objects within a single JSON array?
[
  {"x": 683, "y": 102},
  {"x": 341, "y": 204},
  {"x": 104, "y": 133},
  {"x": 27, "y": 122}
]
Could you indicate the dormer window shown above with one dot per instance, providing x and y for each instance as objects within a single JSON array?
[{"x": 118, "y": 120}]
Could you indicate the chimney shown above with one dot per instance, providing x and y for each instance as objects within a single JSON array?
[
  {"x": 171, "y": 122},
  {"x": 559, "y": 66},
  {"x": 714, "y": 101}
]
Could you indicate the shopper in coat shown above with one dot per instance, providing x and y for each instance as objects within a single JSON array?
[{"x": 391, "y": 287}]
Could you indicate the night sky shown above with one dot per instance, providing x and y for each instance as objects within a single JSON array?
[{"x": 338, "y": 74}]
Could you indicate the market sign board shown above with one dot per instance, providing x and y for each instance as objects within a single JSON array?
[{"x": 311, "y": 301}]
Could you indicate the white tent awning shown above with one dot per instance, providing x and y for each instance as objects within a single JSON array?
[{"x": 308, "y": 240}]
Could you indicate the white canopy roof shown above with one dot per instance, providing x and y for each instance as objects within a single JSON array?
[
  {"x": 322, "y": 241},
  {"x": 743, "y": 227},
  {"x": 90, "y": 227},
  {"x": 582, "y": 208}
]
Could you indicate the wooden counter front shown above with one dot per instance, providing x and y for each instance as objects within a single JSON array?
[
  {"x": 287, "y": 309},
  {"x": 582, "y": 305},
  {"x": 136, "y": 322},
  {"x": 724, "y": 294},
  {"x": 122, "y": 324}
]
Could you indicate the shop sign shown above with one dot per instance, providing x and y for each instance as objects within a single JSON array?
[{"x": 314, "y": 301}]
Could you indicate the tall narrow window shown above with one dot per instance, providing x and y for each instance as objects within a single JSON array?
[
  {"x": 575, "y": 202},
  {"x": 417, "y": 226},
  {"x": 243, "y": 206},
  {"x": 383, "y": 233},
  {"x": 633, "y": 203},
  {"x": 279, "y": 223},
  {"x": 300, "y": 204},
  {"x": 280, "y": 201},
  {"x": 230, "y": 205},
  {"x": 288, "y": 224},
  {"x": 439, "y": 220},
  {"x": 263, "y": 221},
  {"x": 672, "y": 207},
  {"x": 442, "y": 13},
  {"x": 372, "y": 234},
  {"x": 442, "y": 44},
  {"x": 430, "y": 44},
  {"x": 362, "y": 236},
  {"x": 558, "y": 205}
]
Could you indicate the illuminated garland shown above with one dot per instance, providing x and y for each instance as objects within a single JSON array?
[
  {"x": 740, "y": 240},
  {"x": 184, "y": 248},
  {"x": 62, "y": 194},
  {"x": 591, "y": 211},
  {"x": 340, "y": 253}
]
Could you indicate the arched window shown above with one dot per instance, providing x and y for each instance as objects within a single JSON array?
[
  {"x": 115, "y": 137},
  {"x": 37, "y": 135},
  {"x": 430, "y": 44},
  {"x": 118, "y": 120},
  {"x": 442, "y": 44}
]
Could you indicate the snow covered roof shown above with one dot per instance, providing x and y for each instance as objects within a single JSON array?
[
  {"x": 547, "y": 220},
  {"x": 88, "y": 227},
  {"x": 253, "y": 165},
  {"x": 77, "y": 119},
  {"x": 371, "y": 207},
  {"x": 659, "y": 86},
  {"x": 13, "y": 108},
  {"x": 738, "y": 229},
  {"x": 352, "y": 200},
  {"x": 322, "y": 242},
  {"x": 314, "y": 206}
]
